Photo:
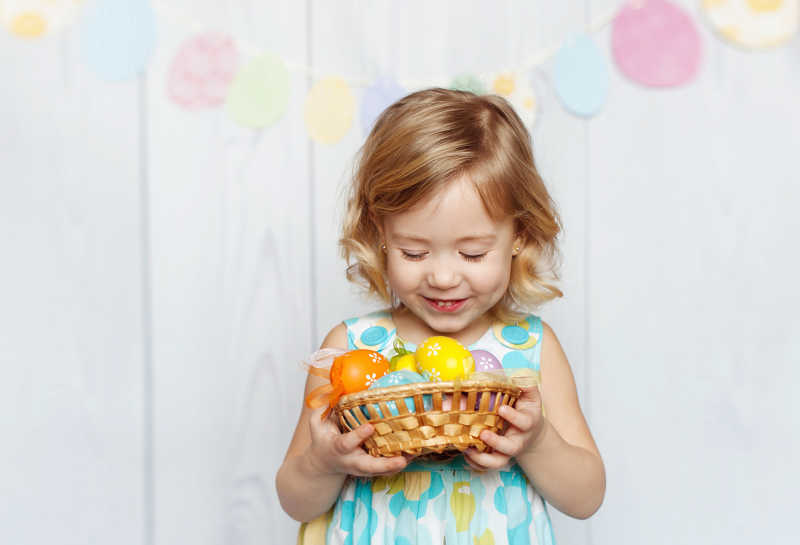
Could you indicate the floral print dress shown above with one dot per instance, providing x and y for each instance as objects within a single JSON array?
[{"x": 436, "y": 503}]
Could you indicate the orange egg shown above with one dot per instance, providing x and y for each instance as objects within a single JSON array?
[{"x": 355, "y": 370}]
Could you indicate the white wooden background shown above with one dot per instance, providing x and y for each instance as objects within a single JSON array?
[{"x": 164, "y": 271}]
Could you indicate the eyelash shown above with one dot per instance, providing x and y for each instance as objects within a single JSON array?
[
  {"x": 413, "y": 257},
  {"x": 418, "y": 257}
]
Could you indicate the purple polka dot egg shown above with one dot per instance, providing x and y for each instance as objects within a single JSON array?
[{"x": 486, "y": 361}]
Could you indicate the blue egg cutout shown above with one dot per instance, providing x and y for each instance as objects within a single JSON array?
[{"x": 580, "y": 76}]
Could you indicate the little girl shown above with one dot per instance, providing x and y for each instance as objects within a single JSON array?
[{"x": 449, "y": 222}]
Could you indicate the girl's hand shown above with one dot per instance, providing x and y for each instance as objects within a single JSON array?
[
  {"x": 526, "y": 426},
  {"x": 333, "y": 452}
]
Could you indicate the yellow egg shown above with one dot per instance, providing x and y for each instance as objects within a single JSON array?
[
  {"x": 442, "y": 358},
  {"x": 406, "y": 361}
]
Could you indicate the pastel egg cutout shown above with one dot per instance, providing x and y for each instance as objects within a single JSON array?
[
  {"x": 259, "y": 94},
  {"x": 118, "y": 38},
  {"x": 517, "y": 89},
  {"x": 377, "y": 97},
  {"x": 202, "y": 71},
  {"x": 753, "y": 24},
  {"x": 656, "y": 44},
  {"x": 468, "y": 82},
  {"x": 580, "y": 76},
  {"x": 329, "y": 110},
  {"x": 35, "y": 18}
]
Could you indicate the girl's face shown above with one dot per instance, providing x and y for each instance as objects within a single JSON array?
[{"x": 448, "y": 261}]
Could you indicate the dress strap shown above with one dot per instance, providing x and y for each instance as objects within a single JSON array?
[{"x": 373, "y": 331}]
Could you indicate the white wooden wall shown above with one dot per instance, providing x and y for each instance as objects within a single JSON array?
[{"x": 164, "y": 271}]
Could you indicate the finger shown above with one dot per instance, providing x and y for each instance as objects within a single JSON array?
[
  {"x": 504, "y": 445},
  {"x": 352, "y": 440},
  {"x": 373, "y": 465},
  {"x": 530, "y": 396},
  {"x": 315, "y": 422},
  {"x": 494, "y": 460},
  {"x": 521, "y": 419},
  {"x": 468, "y": 458}
]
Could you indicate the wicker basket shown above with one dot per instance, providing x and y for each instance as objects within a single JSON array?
[{"x": 434, "y": 433}]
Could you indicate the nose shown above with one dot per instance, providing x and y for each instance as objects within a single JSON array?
[{"x": 443, "y": 274}]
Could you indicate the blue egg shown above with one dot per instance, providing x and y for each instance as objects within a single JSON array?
[{"x": 398, "y": 378}]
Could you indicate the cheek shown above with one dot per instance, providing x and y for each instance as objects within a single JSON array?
[
  {"x": 494, "y": 278},
  {"x": 402, "y": 278}
]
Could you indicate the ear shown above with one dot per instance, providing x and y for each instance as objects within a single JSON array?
[
  {"x": 517, "y": 245},
  {"x": 381, "y": 233}
]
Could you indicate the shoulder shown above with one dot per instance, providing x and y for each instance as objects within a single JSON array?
[
  {"x": 336, "y": 337},
  {"x": 551, "y": 347},
  {"x": 352, "y": 330}
]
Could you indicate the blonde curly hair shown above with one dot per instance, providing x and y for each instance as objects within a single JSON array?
[{"x": 426, "y": 140}]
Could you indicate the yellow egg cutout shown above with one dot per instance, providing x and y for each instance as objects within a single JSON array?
[
  {"x": 754, "y": 23},
  {"x": 504, "y": 85},
  {"x": 329, "y": 111},
  {"x": 761, "y": 6},
  {"x": 28, "y": 25},
  {"x": 520, "y": 89},
  {"x": 441, "y": 359}
]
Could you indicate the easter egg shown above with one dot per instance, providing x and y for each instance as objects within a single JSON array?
[
  {"x": 398, "y": 378},
  {"x": 406, "y": 362},
  {"x": 486, "y": 361},
  {"x": 442, "y": 358},
  {"x": 357, "y": 369}
]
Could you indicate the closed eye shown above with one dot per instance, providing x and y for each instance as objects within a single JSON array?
[
  {"x": 413, "y": 256},
  {"x": 473, "y": 257}
]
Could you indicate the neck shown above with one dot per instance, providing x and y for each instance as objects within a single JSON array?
[{"x": 411, "y": 328}]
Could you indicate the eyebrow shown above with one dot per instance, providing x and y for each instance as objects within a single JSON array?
[{"x": 469, "y": 238}]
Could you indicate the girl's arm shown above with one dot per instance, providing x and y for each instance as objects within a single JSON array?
[
  {"x": 319, "y": 457},
  {"x": 557, "y": 453}
]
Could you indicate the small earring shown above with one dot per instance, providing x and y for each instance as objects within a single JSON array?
[
  {"x": 516, "y": 251},
  {"x": 383, "y": 247}
]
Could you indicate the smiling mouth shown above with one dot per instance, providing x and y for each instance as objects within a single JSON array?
[{"x": 445, "y": 305}]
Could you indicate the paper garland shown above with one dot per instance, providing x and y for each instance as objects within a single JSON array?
[
  {"x": 754, "y": 23},
  {"x": 118, "y": 38},
  {"x": 655, "y": 44}
]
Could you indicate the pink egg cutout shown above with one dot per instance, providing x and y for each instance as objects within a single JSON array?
[
  {"x": 202, "y": 71},
  {"x": 486, "y": 361},
  {"x": 655, "y": 43}
]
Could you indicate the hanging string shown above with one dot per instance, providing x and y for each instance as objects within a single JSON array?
[{"x": 536, "y": 59}]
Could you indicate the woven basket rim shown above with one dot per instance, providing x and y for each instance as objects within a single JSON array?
[{"x": 406, "y": 390}]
